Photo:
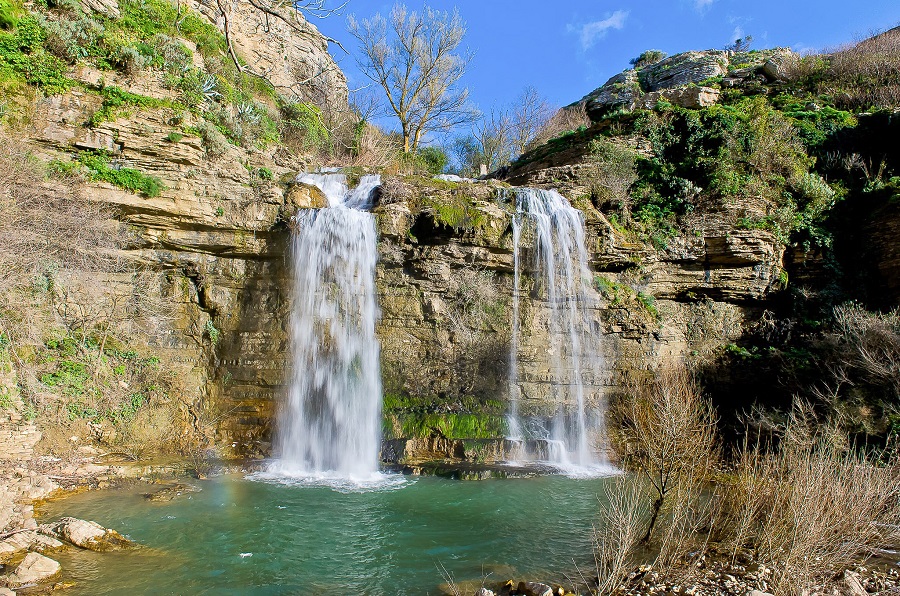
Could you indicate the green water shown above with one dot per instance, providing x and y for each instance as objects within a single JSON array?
[{"x": 318, "y": 540}]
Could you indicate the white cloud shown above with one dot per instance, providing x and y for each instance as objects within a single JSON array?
[
  {"x": 592, "y": 32},
  {"x": 738, "y": 33},
  {"x": 702, "y": 4}
]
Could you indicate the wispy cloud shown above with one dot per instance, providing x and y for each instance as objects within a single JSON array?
[
  {"x": 596, "y": 30},
  {"x": 703, "y": 4}
]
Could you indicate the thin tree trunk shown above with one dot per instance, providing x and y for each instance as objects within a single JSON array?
[{"x": 657, "y": 506}]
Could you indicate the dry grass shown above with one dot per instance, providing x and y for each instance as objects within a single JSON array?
[
  {"x": 872, "y": 341},
  {"x": 664, "y": 510},
  {"x": 75, "y": 312},
  {"x": 623, "y": 520},
  {"x": 48, "y": 223},
  {"x": 866, "y": 74},
  {"x": 564, "y": 120},
  {"x": 813, "y": 506}
]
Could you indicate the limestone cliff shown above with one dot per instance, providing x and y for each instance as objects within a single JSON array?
[{"x": 692, "y": 273}]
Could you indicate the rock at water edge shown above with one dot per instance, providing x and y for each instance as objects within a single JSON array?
[
  {"x": 86, "y": 534},
  {"x": 33, "y": 568},
  {"x": 534, "y": 589}
]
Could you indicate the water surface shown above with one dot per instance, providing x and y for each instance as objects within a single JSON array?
[{"x": 236, "y": 536}]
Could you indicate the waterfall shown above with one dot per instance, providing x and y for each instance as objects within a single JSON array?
[
  {"x": 560, "y": 266},
  {"x": 331, "y": 422}
]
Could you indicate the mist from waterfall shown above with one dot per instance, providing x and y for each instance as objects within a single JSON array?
[
  {"x": 330, "y": 424},
  {"x": 562, "y": 275}
]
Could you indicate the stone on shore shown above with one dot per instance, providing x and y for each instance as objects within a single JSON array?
[
  {"x": 28, "y": 540},
  {"x": 534, "y": 589},
  {"x": 34, "y": 568},
  {"x": 86, "y": 534}
]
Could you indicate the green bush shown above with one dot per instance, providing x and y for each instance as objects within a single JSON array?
[
  {"x": 22, "y": 51},
  {"x": 10, "y": 12},
  {"x": 647, "y": 58},
  {"x": 303, "y": 122},
  {"x": 118, "y": 102},
  {"x": 213, "y": 140},
  {"x": 98, "y": 168},
  {"x": 433, "y": 159}
]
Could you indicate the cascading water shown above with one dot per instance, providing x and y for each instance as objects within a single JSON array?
[
  {"x": 561, "y": 269},
  {"x": 331, "y": 423}
]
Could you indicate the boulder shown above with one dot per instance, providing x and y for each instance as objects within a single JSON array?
[
  {"x": 534, "y": 589},
  {"x": 109, "y": 8},
  {"x": 6, "y": 551},
  {"x": 170, "y": 493},
  {"x": 304, "y": 196},
  {"x": 34, "y": 568},
  {"x": 484, "y": 592},
  {"x": 86, "y": 534},
  {"x": 687, "y": 97},
  {"x": 684, "y": 69},
  {"x": 777, "y": 68},
  {"x": 6, "y": 592}
]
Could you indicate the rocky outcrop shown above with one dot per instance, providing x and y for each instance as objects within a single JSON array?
[
  {"x": 884, "y": 231},
  {"x": 280, "y": 44},
  {"x": 688, "y": 68},
  {"x": 688, "y": 80}
]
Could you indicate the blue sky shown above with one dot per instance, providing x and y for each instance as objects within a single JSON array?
[{"x": 566, "y": 48}]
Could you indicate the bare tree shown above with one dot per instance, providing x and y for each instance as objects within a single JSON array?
[
  {"x": 413, "y": 58},
  {"x": 529, "y": 115},
  {"x": 319, "y": 9}
]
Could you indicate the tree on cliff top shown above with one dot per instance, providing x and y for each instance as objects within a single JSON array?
[{"x": 413, "y": 58}]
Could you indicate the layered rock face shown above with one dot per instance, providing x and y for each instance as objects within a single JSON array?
[
  {"x": 281, "y": 45},
  {"x": 431, "y": 276}
]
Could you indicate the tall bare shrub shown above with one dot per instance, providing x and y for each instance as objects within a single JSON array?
[{"x": 670, "y": 437}]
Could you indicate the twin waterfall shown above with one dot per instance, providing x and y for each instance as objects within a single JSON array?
[
  {"x": 562, "y": 275},
  {"x": 330, "y": 425}
]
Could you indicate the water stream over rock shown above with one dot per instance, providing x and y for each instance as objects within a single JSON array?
[
  {"x": 562, "y": 276},
  {"x": 330, "y": 425}
]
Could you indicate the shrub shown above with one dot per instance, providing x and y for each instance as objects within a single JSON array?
[
  {"x": 132, "y": 59},
  {"x": 669, "y": 435},
  {"x": 10, "y": 12},
  {"x": 211, "y": 332},
  {"x": 117, "y": 102},
  {"x": 432, "y": 159},
  {"x": 647, "y": 58},
  {"x": 303, "y": 127},
  {"x": 23, "y": 52},
  {"x": 813, "y": 506},
  {"x": 127, "y": 178},
  {"x": 214, "y": 141},
  {"x": 865, "y": 75},
  {"x": 609, "y": 173},
  {"x": 564, "y": 120}
]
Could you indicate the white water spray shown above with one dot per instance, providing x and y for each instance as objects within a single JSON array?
[
  {"x": 561, "y": 266},
  {"x": 331, "y": 423}
]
